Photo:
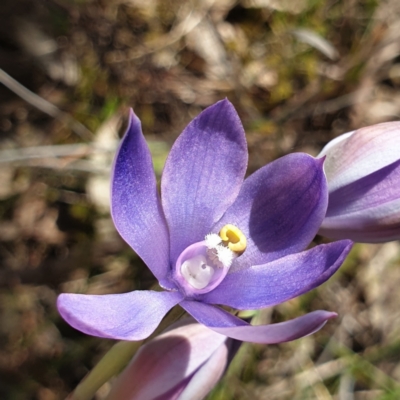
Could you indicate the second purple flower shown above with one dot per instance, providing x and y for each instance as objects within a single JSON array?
[{"x": 214, "y": 238}]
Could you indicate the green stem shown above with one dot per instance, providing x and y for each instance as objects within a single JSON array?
[{"x": 116, "y": 359}]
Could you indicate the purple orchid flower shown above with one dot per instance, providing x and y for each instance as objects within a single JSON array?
[
  {"x": 184, "y": 363},
  {"x": 214, "y": 239},
  {"x": 363, "y": 173}
]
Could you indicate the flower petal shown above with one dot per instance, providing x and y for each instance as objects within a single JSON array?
[
  {"x": 135, "y": 204},
  {"x": 168, "y": 363},
  {"x": 127, "y": 316},
  {"x": 280, "y": 280},
  {"x": 367, "y": 210},
  {"x": 203, "y": 174},
  {"x": 222, "y": 322},
  {"x": 279, "y": 209},
  {"x": 357, "y": 154}
]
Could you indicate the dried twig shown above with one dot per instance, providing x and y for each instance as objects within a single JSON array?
[
  {"x": 44, "y": 106},
  {"x": 62, "y": 157}
]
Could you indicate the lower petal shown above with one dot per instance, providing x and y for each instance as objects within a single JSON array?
[
  {"x": 265, "y": 285},
  {"x": 222, "y": 322},
  {"x": 127, "y": 316}
]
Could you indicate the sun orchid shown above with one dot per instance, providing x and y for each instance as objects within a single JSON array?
[
  {"x": 185, "y": 362},
  {"x": 363, "y": 173},
  {"x": 214, "y": 239}
]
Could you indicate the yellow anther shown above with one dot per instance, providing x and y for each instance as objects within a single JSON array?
[{"x": 233, "y": 237}]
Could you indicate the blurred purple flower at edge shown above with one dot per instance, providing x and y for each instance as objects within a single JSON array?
[
  {"x": 214, "y": 239},
  {"x": 363, "y": 173},
  {"x": 185, "y": 362}
]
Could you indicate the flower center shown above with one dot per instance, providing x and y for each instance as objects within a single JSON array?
[
  {"x": 197, "y": 272},
  {"x": 203, "y": 265}
]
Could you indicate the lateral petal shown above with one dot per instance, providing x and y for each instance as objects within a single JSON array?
[
  {"x": 127, "y": 316},
  {"x": 135, "y": 204}
]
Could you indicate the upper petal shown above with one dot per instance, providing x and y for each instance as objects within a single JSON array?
[
  {"x": 135, "y": 204},
  {"x": 279, "y": 209},
  {"x": 222, "y": 322},
  {"x": 366, "y": 210},
  {"x": 357, "y": 154},
  {"x": 127, "y": 316},
  {"x": 203, "y": 174},
  {"x": 280, "y": 280}
]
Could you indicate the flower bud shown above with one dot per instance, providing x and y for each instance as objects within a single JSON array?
[
  {"x": 185, "y": 362},
  {"x": 363, "y": 172}
]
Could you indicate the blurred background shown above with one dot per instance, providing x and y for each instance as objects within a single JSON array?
[{"x": 298, "y": 72}]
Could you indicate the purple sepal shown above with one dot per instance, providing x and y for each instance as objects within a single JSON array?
[
  {"x": 135, "y": 204},
  {"x": 226, "y": 324},
  {"x": 279, "y": 209},
  {"x": 280, "y": 280},
  {"x": 126, "y": 316},
  {"x": 203, "y": 174}
]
